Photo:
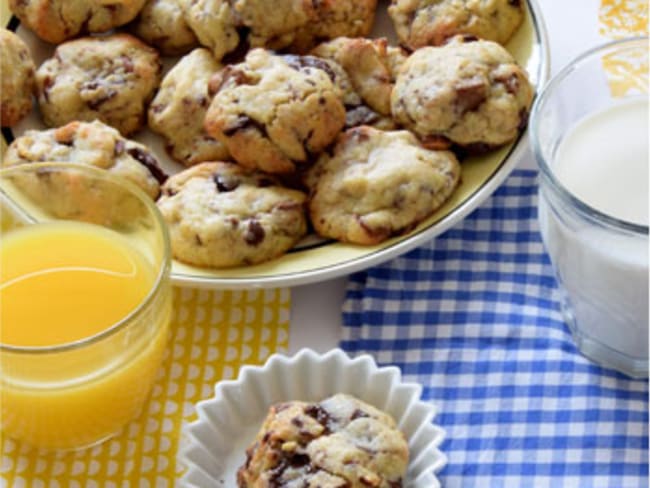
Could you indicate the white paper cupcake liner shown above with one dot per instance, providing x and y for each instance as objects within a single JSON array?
[{"x": 214, "y": 446}]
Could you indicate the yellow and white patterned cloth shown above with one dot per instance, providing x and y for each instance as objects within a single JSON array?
[{"x": 213, "y": 334}]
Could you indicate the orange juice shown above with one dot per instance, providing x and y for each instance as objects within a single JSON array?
[{"x": 80, "y": 298}]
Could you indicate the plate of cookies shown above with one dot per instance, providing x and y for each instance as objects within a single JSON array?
[{"x": 284, "y": 142}]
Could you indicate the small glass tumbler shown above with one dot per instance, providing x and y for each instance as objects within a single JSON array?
[
  {"x": 77, "y": 393},
  {"x": 599, "y": 253}
]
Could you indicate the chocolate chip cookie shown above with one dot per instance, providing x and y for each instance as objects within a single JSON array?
[
  {"x": 335, "y": 18},
  {"x": 221, "y": 215},
  {"x": 431, "y": 22},
  {"x": 17, "y": 69},
  {"x": 470, "y": 93},
  {"x": 161, "y": 24},
  {"x": 58, "y": 20},
  {"x": 108, "y": 78},
  {"x": 179, "y": 107},
  {"x": 340, "y": 442},
  {"x": 378, "y": 184},
  {"x": 222, "y": 25},
  {"x": 92, "y": 143},
  {"x": 275, "y": 113}
]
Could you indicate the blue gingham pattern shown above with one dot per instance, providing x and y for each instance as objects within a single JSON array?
[{"x": 474, "y": 317}]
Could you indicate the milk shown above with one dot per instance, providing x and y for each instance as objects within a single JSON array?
[{"x": 603, "y": 161}]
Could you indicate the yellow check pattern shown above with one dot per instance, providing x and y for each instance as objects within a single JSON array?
[{"x": 213, "y": 334}]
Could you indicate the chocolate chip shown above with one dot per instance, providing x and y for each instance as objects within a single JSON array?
[
  {"x": 297, "y": 422},
  {"x": 229, "y": 75},
  {"x": 226, "y": 183},
  {"x": 514, "y": 3},
  {"x": 319, "y": 414},
  {"x": 300, "y": 62},
  {"x": 95, "y": 103},
  {"x": 276, "y": 473},
  {"x": 358, "y": 414},
  {"x": 239, "y": 123},
  {"x": 470, "y": 94},
  {"x": 360, "y": 115},
  {"x": 469, "y": 38},
  {"x": 299, "y": 460},
  {"x": 295, "y": 461},
  {"x": 378, "y": 232},
  {"x": 254, "y": 233},
  {"x": 149, "y": 162},
  {"x": 242, "y": 122}
]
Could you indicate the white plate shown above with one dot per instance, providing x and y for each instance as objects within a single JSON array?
[
  {"x": 214, "y": 446},
  {"x": 317, "y": 260}
]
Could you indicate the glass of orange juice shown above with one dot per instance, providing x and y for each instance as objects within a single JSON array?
[{"x": 85, "y": 303}]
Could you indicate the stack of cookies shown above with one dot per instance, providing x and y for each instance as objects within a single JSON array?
[{"x": 288, "y": 119}]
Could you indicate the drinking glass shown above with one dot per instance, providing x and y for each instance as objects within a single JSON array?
[
  {"x": 600, "y": 260},
  {"x": 77, "y": 394}
]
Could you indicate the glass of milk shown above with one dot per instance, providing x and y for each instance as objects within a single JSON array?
[{"x": 589, "y": 134}]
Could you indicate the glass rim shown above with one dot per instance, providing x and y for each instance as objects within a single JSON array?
[
  {"x": 547, "y": 172},
  {"x": 163, "y": 269}
]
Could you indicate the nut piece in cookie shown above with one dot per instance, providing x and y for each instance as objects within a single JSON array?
[
  {"x": 222, "y": 215},
  {"x": 161, "y": 24},
  {"x": 179, "y": 107},
  {"x": 340, "y": 442},
  {"x": 221, "y": 25},
  {"x": 336, "y": 18},
  {"x": 92, "y": 143},
  {"x": 481, "y": 96},
  {"x": 431, "y": 22},
  {"x": 378, "y": 184},
  {"x": 371, "y": 64},
  {"x": 58, "y": 20},
  {"x": 18, "y": 85},
  {"x": 274, "y": 113},
  {"x": 109, "y": 78}
]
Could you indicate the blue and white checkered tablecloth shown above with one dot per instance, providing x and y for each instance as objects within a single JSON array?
[{"x": 474, "y": 317}]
